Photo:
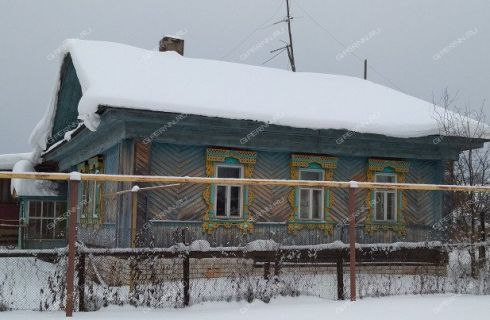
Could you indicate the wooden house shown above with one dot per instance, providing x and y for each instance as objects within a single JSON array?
[{"x": 124, "y": 110}]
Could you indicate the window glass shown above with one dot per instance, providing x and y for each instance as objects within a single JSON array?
[
  {"x": 311, "y": 199},
  {"x": 61, "y": 209},
  {"x": 385, "y": 199},
  {"x": 60, "y": 229},
  {"x": 34, "y": 209},
  {"x": 380, "y": 213},
  {"x": 228, "y": 172},
  {"x": 47, "y": 220},
  {"x": 390, "y": 206},
  {"x": 311, "y": 175},
  {"x": 48, "y": 209},
  {"x": 228, "y": 198},
  {"x": 385, "y": 178},
  {"x": 221, "y": 201},
  {"x": 47, "y": 230},
  {"x": 235, "y": 201},
  {"x": 317, "y": 204},
  {"x": 35, "y": 228},
  {"x": 304, "y": 211}
]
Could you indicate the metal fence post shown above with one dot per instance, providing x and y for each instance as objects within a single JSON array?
[
  {"x": 352, "y": 241},
  {"x": 186, "y": 270},
  {"x": 74, "y": 183},
  {"x": 340, "y": 275},
  {"x": 81, "y": 282}
]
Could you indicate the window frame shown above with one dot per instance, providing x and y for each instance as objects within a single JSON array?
[
  {"x": 310, "y": 196},
  {"x": 384, "y": 193},
  {"x": 45, "y": 221},
  {"x": 91, "y": 194},
  {"x": 227, "y": 215}
]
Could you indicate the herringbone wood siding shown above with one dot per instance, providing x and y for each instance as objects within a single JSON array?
[
  {"x": 271, "y": 203},
  {"x": 177, "y": 160},
  {"x": 348, "y": 169},
  {"x": 421, "y": 204},
  {"x": 182, "y": 202}
]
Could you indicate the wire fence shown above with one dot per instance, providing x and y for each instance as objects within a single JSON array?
[
  {"x": 185, "y": 275},
  {"x": 106, "y": 208}
]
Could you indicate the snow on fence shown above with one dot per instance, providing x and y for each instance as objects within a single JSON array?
[{"x": 182, "y": 275}]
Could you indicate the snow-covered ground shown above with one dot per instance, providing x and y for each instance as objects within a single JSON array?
[{"x": 433, "y": 307}]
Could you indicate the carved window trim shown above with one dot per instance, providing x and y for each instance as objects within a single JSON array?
[
  {"x": 305, "y": 161},
  {"x": 247, "y": 159},
  {"x": 400, "y": 169}
]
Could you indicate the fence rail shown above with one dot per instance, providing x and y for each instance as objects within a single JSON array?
[{"x": 328, "y": 255}]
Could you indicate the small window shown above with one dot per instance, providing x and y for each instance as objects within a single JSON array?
[
  {"x": 47, "y": 220},
  {"x": 228, "y": 198},
  {"x": 311, "y": 199},
  {"x": 385, "y": 200},
  {"x": 91, "y": 206}
]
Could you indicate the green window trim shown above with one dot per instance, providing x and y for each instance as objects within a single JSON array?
[
  {"x": 400, "y": 169},
  {"x": 327, "y": 165},
  {"x": 215, "y": 157}
]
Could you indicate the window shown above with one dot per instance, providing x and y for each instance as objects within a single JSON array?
[
  {"x": 47, "y": 220},
  {"x": 91, "y": 191},
  {"x": 228, "y": 198},
  {"x": 311, "y": 199},
  {"x": 385, "y": 199}
]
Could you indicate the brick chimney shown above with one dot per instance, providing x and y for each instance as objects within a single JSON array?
[{"x": 169, "y": 43}]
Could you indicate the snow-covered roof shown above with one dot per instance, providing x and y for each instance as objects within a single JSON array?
[
  {"x": 31, "y": 188},
  {"x": 8, "y": 161},
  {"x": 123, "y": 76}
]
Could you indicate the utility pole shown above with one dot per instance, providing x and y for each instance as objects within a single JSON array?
[
  {"x": 289, "y": 45},
  {"x": 365, "y": 69}
]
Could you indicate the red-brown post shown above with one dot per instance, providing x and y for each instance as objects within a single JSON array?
[
  {"x": 72, "y": 237},
  {"x": 352, "y": 242}
]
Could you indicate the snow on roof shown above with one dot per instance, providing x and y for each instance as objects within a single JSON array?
[
  {"x": 31, "y": 188},
  {"x": 8, "y": 161},
  {"x": 128, "y": 77}
]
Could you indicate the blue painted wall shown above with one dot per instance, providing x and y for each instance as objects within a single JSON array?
[{"x": 423, "y": 207}]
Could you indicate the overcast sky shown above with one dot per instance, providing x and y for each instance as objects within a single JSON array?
[{"x": 419, "y": 46}]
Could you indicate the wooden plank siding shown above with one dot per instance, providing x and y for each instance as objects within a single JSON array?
[
  {"x": 169, "y": 233},
  {"x": 271, "y": 164},
  {"x": 104, "y": 234},
  {"x": 167, "y": 204},
  {"x": 69, "y": 95},
  {"x": 168, "y": 159}
]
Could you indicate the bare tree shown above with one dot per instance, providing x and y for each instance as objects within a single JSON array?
[{"x": 468, "y": 210}]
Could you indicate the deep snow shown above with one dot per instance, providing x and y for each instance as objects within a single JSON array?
[
  {"x": 433, "y": 307},
  {"x": 119, "y": 75}
]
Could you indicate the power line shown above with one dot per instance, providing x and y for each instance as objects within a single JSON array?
[
  {"x": 262, "y": 26},
  {"x": 279, "y": 51},
  {"x": 345, "y": 46}
]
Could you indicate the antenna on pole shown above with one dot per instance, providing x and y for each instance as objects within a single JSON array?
[
  {"x": 289, "y": 45},
  {"x": 365, "y": 69}
]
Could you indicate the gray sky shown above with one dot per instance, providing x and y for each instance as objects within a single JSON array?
[{"x": 417, "y": 46}]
